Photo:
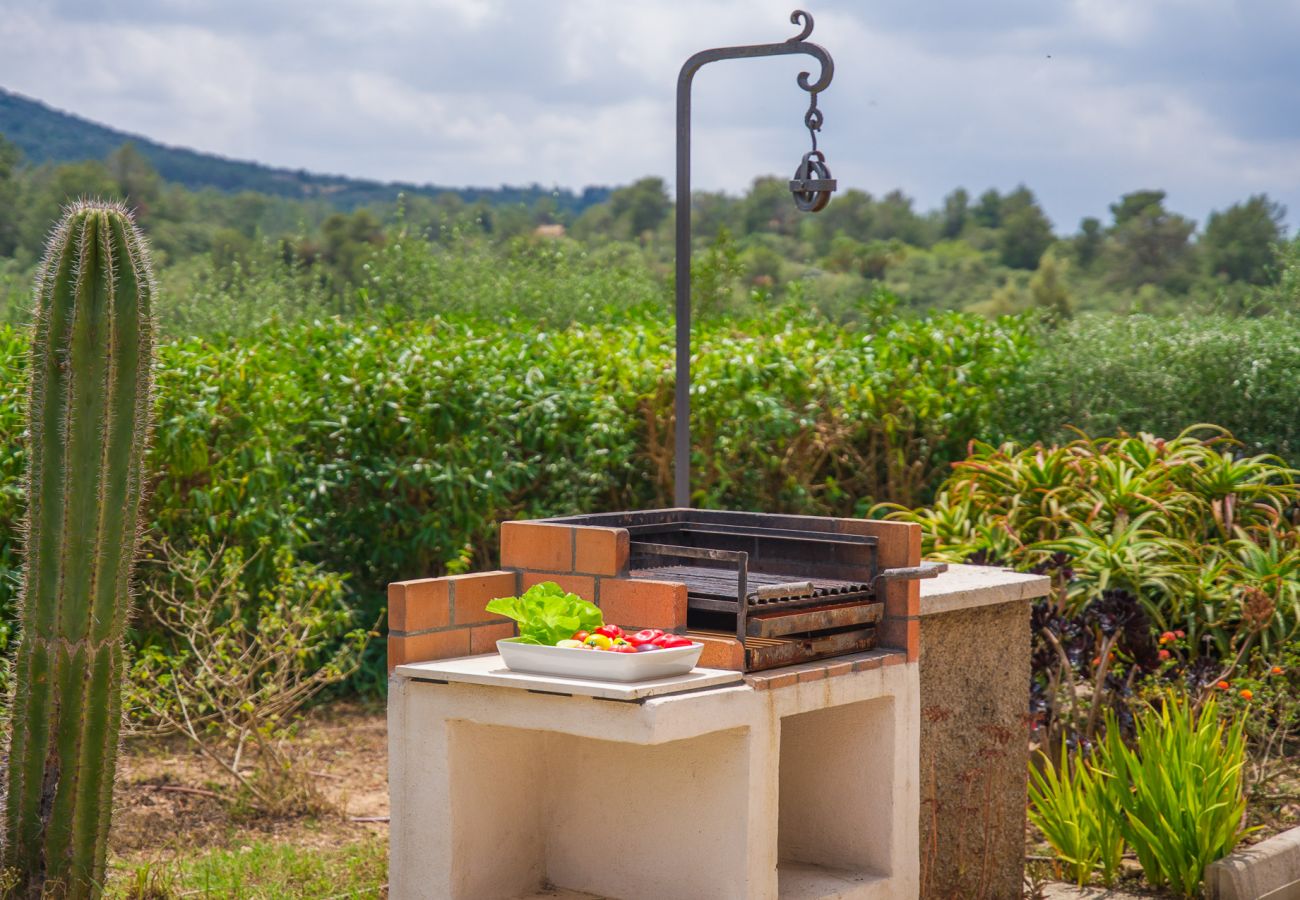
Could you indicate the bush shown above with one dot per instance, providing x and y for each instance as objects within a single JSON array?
[
  {"x": 1143, "y": 537},
  {"x": 1106, "y": 374},
  {"x": 1179, "y": 791},
  {"x": 230, "y": 669},
  {"x": 1176, "y": 798},
  {"x": 382, "y": 451}
]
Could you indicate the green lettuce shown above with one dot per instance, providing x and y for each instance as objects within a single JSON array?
[{"x": 547, "y": 614}]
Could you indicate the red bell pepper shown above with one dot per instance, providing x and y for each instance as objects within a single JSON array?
[
  {"x": 674, "y": 640},
  {"x": 645, "y": 636},
  {"x": 609, "y": 631}
]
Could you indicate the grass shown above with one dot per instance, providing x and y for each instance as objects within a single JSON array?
[{"x": 261, "y": 869}]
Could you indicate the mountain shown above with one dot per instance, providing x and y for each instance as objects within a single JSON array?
[{"x": 47, "y": 135}]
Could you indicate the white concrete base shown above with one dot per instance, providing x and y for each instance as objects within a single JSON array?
[{"x": 805, "y": 791}]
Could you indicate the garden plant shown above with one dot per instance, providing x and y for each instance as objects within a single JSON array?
[{"x": 89, "y": 413}]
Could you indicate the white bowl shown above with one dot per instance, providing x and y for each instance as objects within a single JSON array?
[{"x": 599, "y": 665}]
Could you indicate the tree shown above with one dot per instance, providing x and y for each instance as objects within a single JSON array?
[
  {"x": 137, "y": 181},
  {"x": 1047, "y": 288},
  {"x": 988, "y": 212},
  {"x": 1088, "y": 243},
  {"x": 956, "y": 212},
  {"x": 1239, "y": 242},
  {"x": 9, "y": 187},
  {"x": 769, "y": 207},
  {"x": 640, "y": 207},
  {"x": 1025, "y": 233},
  {"x": 1148, "y": 244},
  {"x": 895, "y": 219}
]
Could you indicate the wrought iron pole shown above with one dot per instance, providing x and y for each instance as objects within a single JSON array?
[{"x": 811, "y": 186}]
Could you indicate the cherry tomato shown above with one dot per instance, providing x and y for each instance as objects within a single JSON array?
[
  {"x": 675, "y": 640},
  {"x": 580, "y": 635}
]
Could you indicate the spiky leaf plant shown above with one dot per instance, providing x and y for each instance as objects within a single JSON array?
[{"x": 88, "y": 423}]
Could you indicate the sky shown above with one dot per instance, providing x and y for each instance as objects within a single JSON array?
[{"x": 1081, "y": 100}]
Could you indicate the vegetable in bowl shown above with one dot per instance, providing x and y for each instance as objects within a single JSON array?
[{"x": 548, "y": 614}]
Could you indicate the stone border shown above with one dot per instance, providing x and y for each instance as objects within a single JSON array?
[{"x": 1269, "y": 870}]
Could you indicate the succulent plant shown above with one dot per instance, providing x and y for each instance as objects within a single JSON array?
[{"x": 90, "y": 394}]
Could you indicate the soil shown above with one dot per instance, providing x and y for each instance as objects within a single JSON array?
[{"x": 171, "y": 801}]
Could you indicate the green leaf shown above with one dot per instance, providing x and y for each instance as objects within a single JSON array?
[{"x": 547, "y": 614}]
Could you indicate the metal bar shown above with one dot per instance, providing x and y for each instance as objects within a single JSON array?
[
  {"x": 909, "y": 573},
  {"x": 682, "y": 390},
  {"x": 783, "y": 534},
  {"x": 822, "y": 619},
  {"x": 688, "y": 552},
  {"x": 742, "y": 599},
  {"x": 784, "y": 590}
]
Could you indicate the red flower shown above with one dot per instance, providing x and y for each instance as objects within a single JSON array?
[
  {"x": 1223, "y": 685},
  {"x": 1163, "y": 654},
  {"x": 1166, "y": 637}
]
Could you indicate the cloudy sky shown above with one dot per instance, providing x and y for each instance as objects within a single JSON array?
[{"x": 1082, "y": 100}]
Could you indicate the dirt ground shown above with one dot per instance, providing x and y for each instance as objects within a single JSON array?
[{"x": 171, "y": 802}]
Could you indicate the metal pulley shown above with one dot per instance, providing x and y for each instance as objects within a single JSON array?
[{"x": 812, "y": 184}]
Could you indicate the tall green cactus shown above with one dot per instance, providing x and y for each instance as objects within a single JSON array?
[{"x": 89, "y": 422}]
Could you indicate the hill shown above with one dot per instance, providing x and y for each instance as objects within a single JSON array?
[{"x": 47, "y": 135}]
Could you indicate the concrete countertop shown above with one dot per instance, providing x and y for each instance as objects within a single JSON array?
[{"x": 970, "y": 587}]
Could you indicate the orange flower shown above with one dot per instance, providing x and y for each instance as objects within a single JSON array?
[
  {"x": 1276, "y": 670},
  {"x": 1096, "y": 660},
  {"x": 1163, "y": 654},
  {"x": 1223, "y": 685},
  {"x": 1247, "y": 694},
  {"x": 1166, "y": 637}
]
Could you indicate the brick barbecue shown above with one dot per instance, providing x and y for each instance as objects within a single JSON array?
[{"x": 759, "y": 590}]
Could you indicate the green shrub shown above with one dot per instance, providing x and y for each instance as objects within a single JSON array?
[
  {"x": 1186, "y": 526},
  {"x": 1180, "y": 790},
  {"x": 1176, "y": 798},
  {"x": 385, "y": 451},
  {"x": 1067, "y": 806},
  {"x": 1106, "y": 374}
]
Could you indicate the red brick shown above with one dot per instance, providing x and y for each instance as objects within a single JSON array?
[
  {"x": 871, "y": 662},
  {"x": 781, "y": 679},
  {"x": 835, "y": 669},
  {"x": 419, "y": 604},
  {"x": 537, "y": 545},
  {"x": 720, "y": 651},
  {"x": 470, "y": 593},
  {"x": 426, "y": 647},
  {"x": 764, "y": 681},
  {"x": 903, "y": 599},
  {"x": 582, "y": 585},
  {"x": 901, "y": 634},
  {"x": 483, "y": 638},
  {"x": 646, "y": 604},
  {"x": 894, "y": 659},
  {"x": 812, "y": 673},
  {"x": 601, "y": 551}
]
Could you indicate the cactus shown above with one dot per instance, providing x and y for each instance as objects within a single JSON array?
[{"x": 89, "y": 420}]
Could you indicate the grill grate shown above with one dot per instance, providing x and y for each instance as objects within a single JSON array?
[{"x": 765, "y": 590}]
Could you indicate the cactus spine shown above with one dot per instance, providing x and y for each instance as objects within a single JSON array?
[{"x": 89, "y": 420}]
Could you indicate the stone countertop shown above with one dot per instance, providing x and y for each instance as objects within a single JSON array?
[{"x": 970, "y": 587}]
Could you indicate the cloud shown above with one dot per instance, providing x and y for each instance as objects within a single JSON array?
[{"x": 1080, "y": 99}]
